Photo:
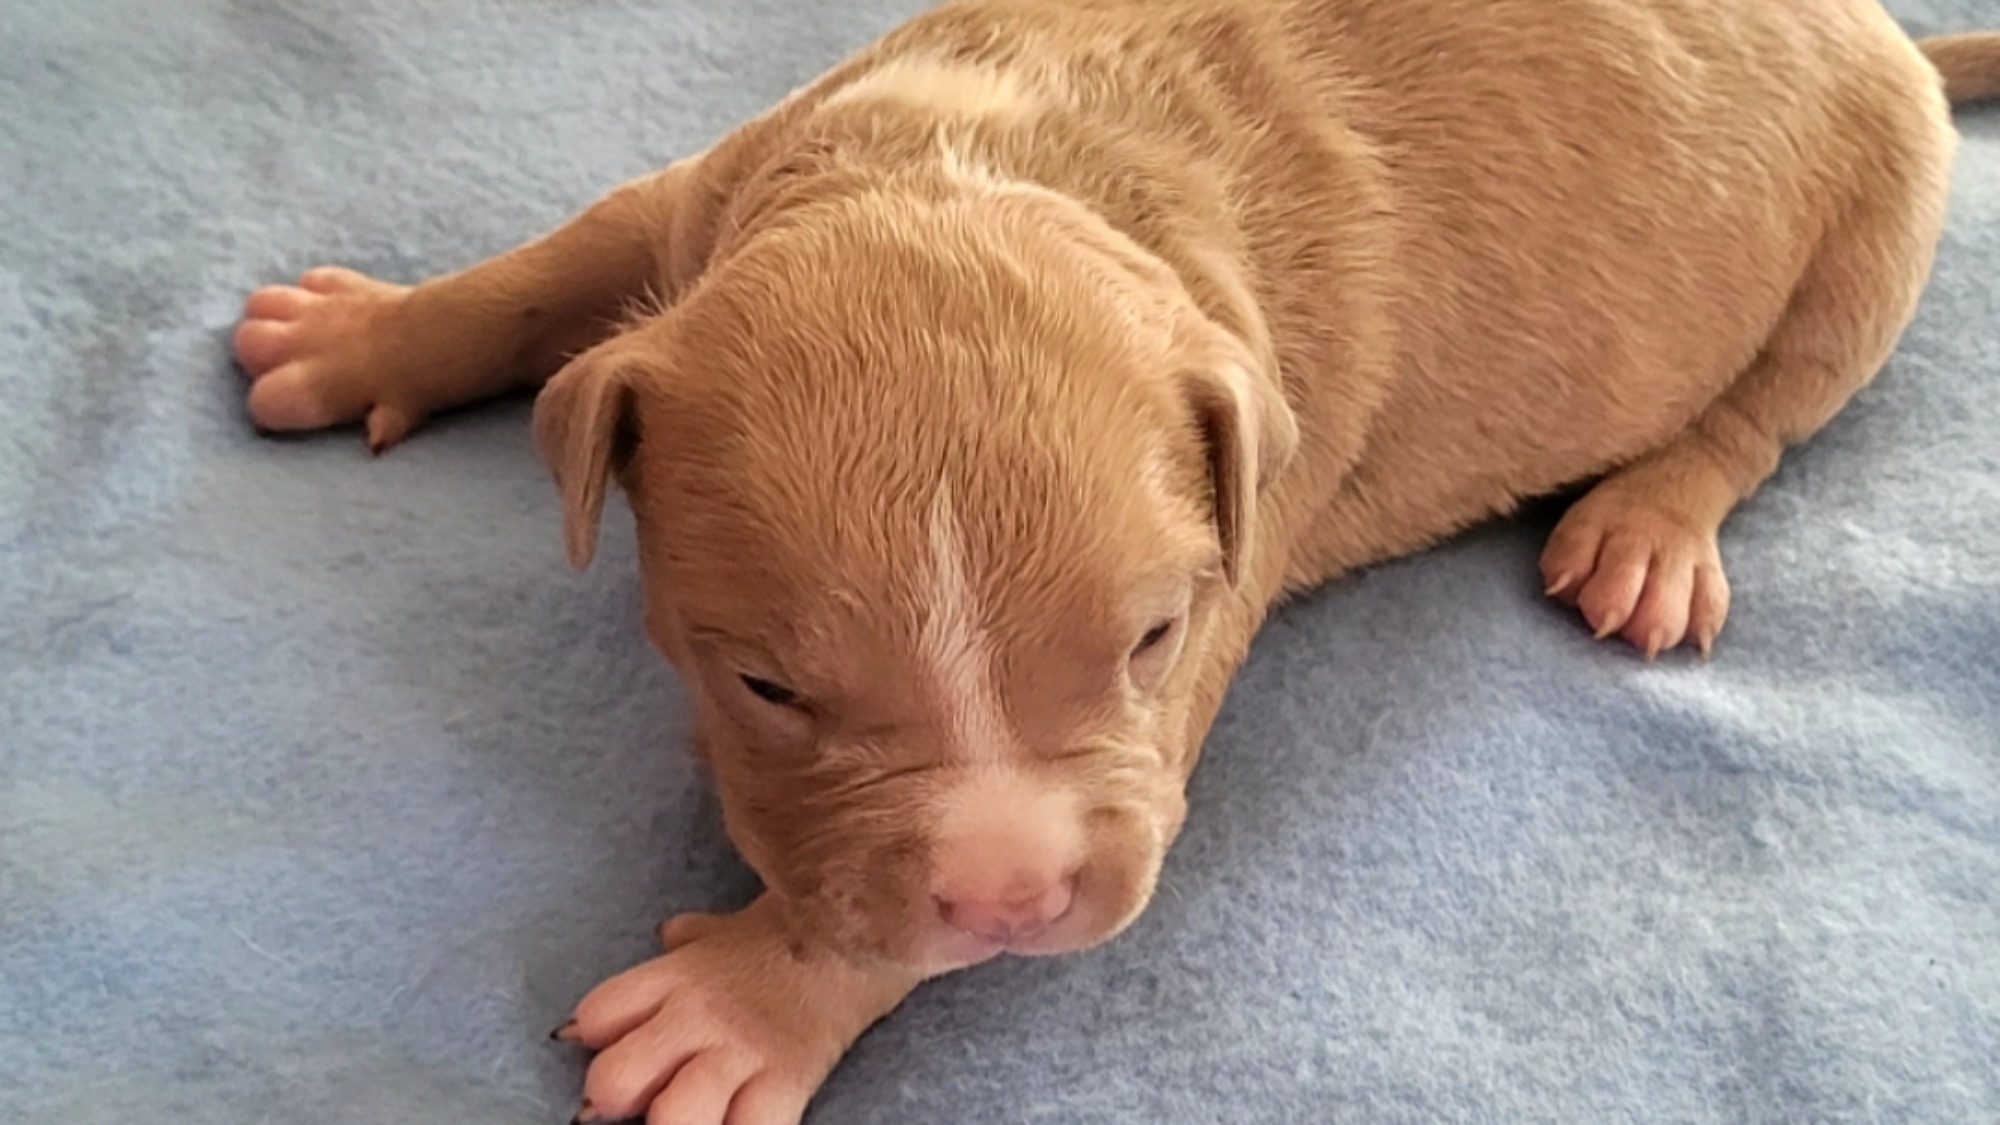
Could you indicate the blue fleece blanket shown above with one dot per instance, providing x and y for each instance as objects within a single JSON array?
[{"x": 326, "y": 788}]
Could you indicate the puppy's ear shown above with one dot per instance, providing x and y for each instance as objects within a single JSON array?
[
  {"x": 1250, "y": 435},
  {"x": 585, "y": 428}
]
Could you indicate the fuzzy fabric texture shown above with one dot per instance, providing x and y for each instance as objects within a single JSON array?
[{"x": 326, "y": 788}]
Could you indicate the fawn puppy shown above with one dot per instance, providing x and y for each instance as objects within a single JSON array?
[{"x": 977, "y": 401}]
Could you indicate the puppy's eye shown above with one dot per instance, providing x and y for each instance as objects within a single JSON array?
[
  {"x": 775, "y": 694},
  {"x": 1153, "y": 637}
]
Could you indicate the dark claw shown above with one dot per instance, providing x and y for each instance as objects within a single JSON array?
[{"x": 565, "y": 1033}]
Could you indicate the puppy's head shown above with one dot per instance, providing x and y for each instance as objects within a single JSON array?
[{"x": 940, "y": 507}]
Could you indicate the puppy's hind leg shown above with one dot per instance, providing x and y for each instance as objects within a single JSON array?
[
  {"x": 1637, "y": 554},
  {"x": 341, "y": 347}
]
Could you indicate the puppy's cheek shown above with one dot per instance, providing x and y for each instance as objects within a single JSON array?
[
  {"x": 702, "y": 740},
  {"x": 1145, "y": 851},
  {"x": 1132, "y": 879},
  {"x": 1118, "y": 881},
  {"x": 1112, "y": 893},
  {"x": 667, "y": 642},
  {"x": 855, "y": 882},
  {"x": 756, "y": 835}
]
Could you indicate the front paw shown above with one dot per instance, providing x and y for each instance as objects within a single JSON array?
[
  {"x": 735, "y": 1026},
  {"x": 315, "y": 353}
]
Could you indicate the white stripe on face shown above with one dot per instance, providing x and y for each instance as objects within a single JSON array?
[{"x": 954, "y": 647}]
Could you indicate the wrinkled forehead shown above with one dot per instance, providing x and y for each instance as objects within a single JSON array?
[
  {"x": 887, "y": 525},
  {"x": 880, "y": 547}
]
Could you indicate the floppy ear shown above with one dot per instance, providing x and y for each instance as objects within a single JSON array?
[
  {"x": 583, "y": 425},
  {"x": 1250, "y": 435}
]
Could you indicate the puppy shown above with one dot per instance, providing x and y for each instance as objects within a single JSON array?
[{"x": 977, "y": 401}]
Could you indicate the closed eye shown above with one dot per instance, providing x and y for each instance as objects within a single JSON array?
[
  {"x": 776, "y": 694},
  {"x": 1154, "y": 636}
]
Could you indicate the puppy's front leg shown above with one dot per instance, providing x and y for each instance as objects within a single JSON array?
[
  {"x": 740, "y": 1021},
  {"x": 342, "y": 347}
]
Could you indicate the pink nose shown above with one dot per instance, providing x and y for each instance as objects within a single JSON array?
[{"x": 1013, "y": 920}]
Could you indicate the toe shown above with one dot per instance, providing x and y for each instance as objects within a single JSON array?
[
  {"x": 289, "y": 398},
  {"x": 701, "y": 1091},
  {"x": 1659, "y": 620},
  {"x": 614, "y": 1008},
  {"x": 333, "y": 279},
  {"x": 387, "y": 425},
  {"x": 766, "y": 1100},
  {"x": 1708, "y": 606},
  {"x": 276, "y": 302},
  {"x": 683, "y": 929},
  {"x": 1569, "y": 557},
  {"x": 1608, "y": 597},
  {"x": 264, "y": 344},
  {"x": 282, "y": 400},
  {"x": 630, "y": 1073}
]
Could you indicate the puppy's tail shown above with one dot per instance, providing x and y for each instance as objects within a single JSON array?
[{"x": 1969, "y": 63}]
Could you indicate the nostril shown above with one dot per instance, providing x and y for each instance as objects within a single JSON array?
[
  {"x": 987, "y": 921},
  {"x": 971, "y": 914}
]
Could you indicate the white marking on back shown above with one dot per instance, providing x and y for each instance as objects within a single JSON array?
[
  {"x": 971, "y": 171},
  {"x": 954, "y": 646},
  {"x": 943, "y": 86}
]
